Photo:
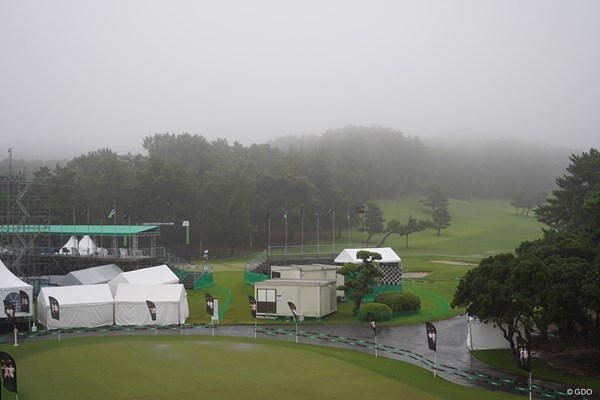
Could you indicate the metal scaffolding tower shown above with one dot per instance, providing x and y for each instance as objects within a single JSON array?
[{"x": 24, "y": 221}]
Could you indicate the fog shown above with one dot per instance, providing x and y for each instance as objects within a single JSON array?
[{"x": 79, "y": 75}]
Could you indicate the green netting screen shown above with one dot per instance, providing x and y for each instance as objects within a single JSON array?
[
  {"x": 252, "y": 277},
  {"x": 205, "y": 280}
]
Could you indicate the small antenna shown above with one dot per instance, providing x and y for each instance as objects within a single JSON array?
[{"x": 10, "y": 162}]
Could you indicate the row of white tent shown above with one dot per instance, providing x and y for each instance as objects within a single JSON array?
[
  {"x": 96, "y": 305},
  {"x": 102, "y": 296},
  {"x": 85, "y": 246},
  {"x": 106, "y": 295}
]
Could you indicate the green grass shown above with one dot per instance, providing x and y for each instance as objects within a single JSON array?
[
  {"x": 501, "y": 359},
  {"x": 191, "y": 367},
  {"x": 479, "y": 228}
]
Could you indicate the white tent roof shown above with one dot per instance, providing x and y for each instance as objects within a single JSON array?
[
  {"x": 9, "y": 281},
  {"x": 10, "y": 286},
  {"x": 128, "y": 293},
  {"x": 153, "y": 275},
  {"x": 131, "y": 308},
  {"x": 77, "y": 295},
  {"x": 91, "y": 276},
  {"x": 87, "y": 244},
  {"x": 387, "y": 255},
  {"x": 73, "y": 242},
  {"x": 83, "y": 305}
]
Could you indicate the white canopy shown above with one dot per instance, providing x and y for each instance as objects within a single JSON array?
[
  {"x": 87, "y": 246},
  {"x": 387, "y": 255},
  {"x": 79, "y": 306},
  {"x": 131, "y": 307},
  {"x": 153, "y": 275},
  {"x": 91, "y": 276},
  {"x": 11, "y": 288},
  {"x": 73, "y": 243}
]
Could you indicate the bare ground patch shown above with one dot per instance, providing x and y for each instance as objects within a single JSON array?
[
  {"x": 414, "y": 274},
  {"x": 453, "y": 262}
]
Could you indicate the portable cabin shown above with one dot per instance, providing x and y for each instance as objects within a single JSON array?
[
  {"x": 313, "y": 298},
  {"x": 312, "y": 271}
]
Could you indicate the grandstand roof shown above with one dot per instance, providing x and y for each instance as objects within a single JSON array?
[{"x": 80, "y": 230}]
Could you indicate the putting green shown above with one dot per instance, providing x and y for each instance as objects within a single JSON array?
[{"x": 191, "y": 367}]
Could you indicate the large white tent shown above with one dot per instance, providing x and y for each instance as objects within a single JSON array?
[
  {"x": 91, "y": 276},
  {"x": 11, "y": 288},
  {"x": 390, "y": 264},
  {"x": 161, "y": 274},
  {"x": 79, "y": 306},
  {"x": 131, "y": 307},
  {"x": 387, "y": 255}
]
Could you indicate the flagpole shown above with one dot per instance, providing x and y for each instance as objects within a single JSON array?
[
  {"x": 348, "y": 217},
  {"x": 302, "y": 230},
  {"x": 269, "y": 231},
  {"x": 286, "y": 232},
  {"x": 318, "y": 244},
  {"x": 333, "y": 229},
  {"x": 529, "y": 384}
]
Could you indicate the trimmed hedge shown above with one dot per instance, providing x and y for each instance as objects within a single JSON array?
[
  {"x": 380, "y": 312},
  {"x": 399, "y": 301}
]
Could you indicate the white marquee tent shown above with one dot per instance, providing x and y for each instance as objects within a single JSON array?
[
  {"x": 387, "y": 255},
  {"x": 131, "y": 307},
  {"x": 485, "y": 336},
  {"x": 153, "y": 275},
  {"x": 71, "y": 246},
  {"x": 79, "y": 306},
  {"x": 11, "y": 288},
  {"x": 86, "y": 246},
  {"x": 91, "y": 276}
]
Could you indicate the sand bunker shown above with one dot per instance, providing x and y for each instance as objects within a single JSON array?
[{"x": 414, "y": 274}]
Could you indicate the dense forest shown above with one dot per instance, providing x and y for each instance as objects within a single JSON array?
[{"x": 227, "y": 191}]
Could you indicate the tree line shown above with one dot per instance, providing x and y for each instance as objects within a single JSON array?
[
  {"x": 225, "y": 190},
  {"x": 553, "y": 281}
]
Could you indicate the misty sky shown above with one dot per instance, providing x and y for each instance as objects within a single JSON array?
[{"x": 76, "y": 76}]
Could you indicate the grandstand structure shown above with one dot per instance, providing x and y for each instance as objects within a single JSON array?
[{"x": 31, "y": 247}]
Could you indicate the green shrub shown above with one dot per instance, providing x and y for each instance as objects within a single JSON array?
[
  {"x": 380, "y": 312},
  {"x": 399, "y": 301}
]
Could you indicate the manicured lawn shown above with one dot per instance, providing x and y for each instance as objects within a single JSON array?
[
  {"x": 480, "y": 228},
  {"x": 192, "y": 367}
]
